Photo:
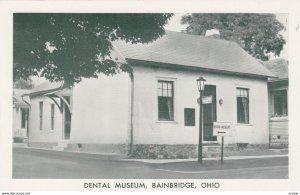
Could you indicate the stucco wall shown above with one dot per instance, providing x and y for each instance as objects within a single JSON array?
[
  {"x": 148, "y": 130},
  {"x": 101, "y": 110},
  {"x": 46, "y": 134}
]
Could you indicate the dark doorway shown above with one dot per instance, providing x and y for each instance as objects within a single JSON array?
[
  {"x": 209, "y": 113},
  {"x": 67, "y": 119}
]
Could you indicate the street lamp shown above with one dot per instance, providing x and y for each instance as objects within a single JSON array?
[{"x": 201, "y": 85}]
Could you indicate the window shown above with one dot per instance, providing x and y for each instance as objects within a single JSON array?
[
  {"x": 41, "y": 114},
  {"x": 242, "y": 105},
  {"x": 23, "y": 117},
  {"x": 52, "y": 116},
  {"x": 165, "y": 100},
  {"x": 280, "y": 103},
  {"x": 189, "y": 117}
]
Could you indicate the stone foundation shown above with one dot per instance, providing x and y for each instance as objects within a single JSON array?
[
  {"x": 185, "y": 151},
  {"x": 161, "y": 151}
]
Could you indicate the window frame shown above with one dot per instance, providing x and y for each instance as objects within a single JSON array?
[
  {"x": 284, "y": 102},
  {"x": 247, "y": 121},
  {"x": 165, "y": 80}
]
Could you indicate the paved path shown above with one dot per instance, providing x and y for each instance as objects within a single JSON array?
[{"x": 30, "y": 163}]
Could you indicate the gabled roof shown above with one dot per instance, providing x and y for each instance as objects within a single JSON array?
[
  {"x": 194, "y": 51},
  {"x": 279, "y": 67}
]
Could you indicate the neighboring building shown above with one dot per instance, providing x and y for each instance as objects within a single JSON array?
[
  {"x": 154, "y": 111},
  {"x": 50, "y": 114},
  {"x": 20, "y": 116},
  {"x": 278, "y": 102}
]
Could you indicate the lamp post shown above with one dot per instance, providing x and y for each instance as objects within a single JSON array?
[{"x": 201, "y": 85}]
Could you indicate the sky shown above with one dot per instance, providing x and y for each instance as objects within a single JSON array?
[{"x": 174, "y": 25}]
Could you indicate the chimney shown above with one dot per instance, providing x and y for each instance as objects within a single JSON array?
[{"x": 213, "y": 33}]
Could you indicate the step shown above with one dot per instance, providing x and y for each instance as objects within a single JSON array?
[
  {"x": 58, "y": 148},
  {"x": 218, "y": 154},
  {"x": 63, "y": 144},
  {"x": 218, "y": 148}
]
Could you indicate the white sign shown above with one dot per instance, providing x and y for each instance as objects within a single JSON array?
[
  {"x": 222, "y": 129},
  {"x": 207, "y": 99}
]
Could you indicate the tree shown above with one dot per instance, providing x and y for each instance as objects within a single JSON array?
[
  {"x": 23, "y": 84},
  {"x": 69, "y": 47},
  {"x": 258, "y": 34}
]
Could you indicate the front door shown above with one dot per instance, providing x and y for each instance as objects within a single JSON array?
[{"x": 209, "y": 113}]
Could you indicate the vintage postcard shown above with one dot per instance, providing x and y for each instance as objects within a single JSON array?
[{"x": 149, "y": 96}]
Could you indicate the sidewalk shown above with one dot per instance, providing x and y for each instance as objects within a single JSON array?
[{"x": 247, "y": 154}]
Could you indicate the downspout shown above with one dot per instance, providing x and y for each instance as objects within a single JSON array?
[
  {"x": 130, "y": 150},
  {"x": 28, "y": 143},
  {"x": 131, "y": 113}
]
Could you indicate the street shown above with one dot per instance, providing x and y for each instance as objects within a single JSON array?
[{"x": 35, "y": 163}]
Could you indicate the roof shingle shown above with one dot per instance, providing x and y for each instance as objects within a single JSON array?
[
  {"x": 279, "y": 67},
  {"x": 195, "y": 51}
]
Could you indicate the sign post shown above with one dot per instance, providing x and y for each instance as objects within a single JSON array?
[
  {"x": 222, "y": 129},
  {"x": 222, "y": 149}
]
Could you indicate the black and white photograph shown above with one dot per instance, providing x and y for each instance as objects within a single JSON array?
[
  {"x": 150, "y": 95},
  {"x": 138, "y": 96}
]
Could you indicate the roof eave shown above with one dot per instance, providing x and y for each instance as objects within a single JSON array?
[
  {"x": 278, "y": 79},
  {"x": 187, "y": 67},
  {"x": 38, "y": 93}
]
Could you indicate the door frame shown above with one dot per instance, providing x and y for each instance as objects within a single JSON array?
[{"x": 204, "y": 141}]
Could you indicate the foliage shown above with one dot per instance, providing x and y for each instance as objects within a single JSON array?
[
  {"x": 23, "y": 84},
  {"x": 69, "y": 47},
  {"x": 258, "y": 34}
]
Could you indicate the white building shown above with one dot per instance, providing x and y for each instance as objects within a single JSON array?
[
  {"x": 278, "y": 102},
  {"x": 20, "y": 116},
  {"x": 153, "y": 112}
]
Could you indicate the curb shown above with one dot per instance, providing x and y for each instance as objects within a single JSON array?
[{"x": 166, "y": 161}]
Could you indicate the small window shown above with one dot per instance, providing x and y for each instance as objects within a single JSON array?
[
  {"x": 243, "y": 105},
  {"x": 52, "y": 116},
  {"x": 41, "y": 115},
  {"x": 280, "y": 103},
  {"x": 189, "y": 117},
  {"x": 165, "y": 100},
  {"x": 23, "y": 117}
]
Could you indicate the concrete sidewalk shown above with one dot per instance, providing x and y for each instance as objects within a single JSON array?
[{"x": 123, "y": 157}]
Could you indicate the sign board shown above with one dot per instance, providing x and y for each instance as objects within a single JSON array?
[
  {"x": 207, "y": 99},
  {"x": 222, "y": 129}
]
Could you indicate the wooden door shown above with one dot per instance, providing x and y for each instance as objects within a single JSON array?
[{"x": 209, "y": 113}]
